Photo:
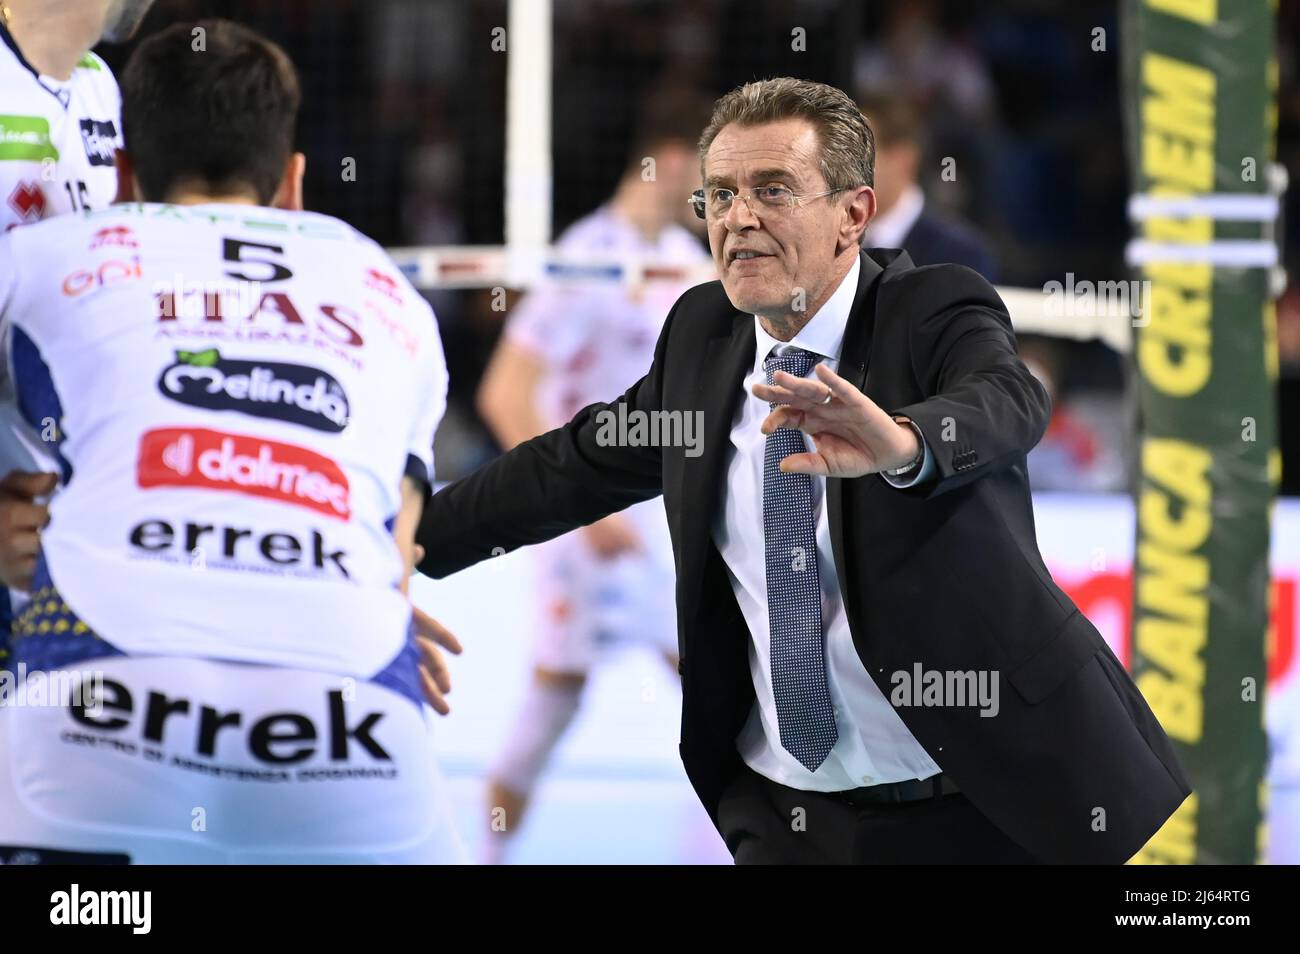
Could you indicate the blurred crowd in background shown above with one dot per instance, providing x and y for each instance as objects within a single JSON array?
[{"x": 1014, "y": 93}]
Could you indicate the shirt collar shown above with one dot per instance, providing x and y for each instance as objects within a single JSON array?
[
  {"x": 824, "y": 333},
  {"x": 889, "y": 229}
]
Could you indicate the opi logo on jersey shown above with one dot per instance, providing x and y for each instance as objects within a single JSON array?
[
  {"x": 285, "y": 392},
  {"x": 100, "y": 139},
  {"x": 215, "y": 460}
]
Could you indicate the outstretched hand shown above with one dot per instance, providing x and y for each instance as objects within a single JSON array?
[
  {"x": 850, "y": 433},
  {"x": 432, "y": 638}
]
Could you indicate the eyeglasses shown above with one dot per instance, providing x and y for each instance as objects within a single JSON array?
[{"x": 775, "y": 199}]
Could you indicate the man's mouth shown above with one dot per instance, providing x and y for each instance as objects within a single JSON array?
[{"x": 747, "y": 255}]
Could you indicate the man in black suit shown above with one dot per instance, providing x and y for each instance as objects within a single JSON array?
[
  {"x": 905, "y": 218},
  {"x": 820, "y": 588}
]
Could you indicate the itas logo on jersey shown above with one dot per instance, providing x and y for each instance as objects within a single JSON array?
[
  {"x": 384, "y": 284},
  {"x": 114, "y": 236},
  {"x": 100, "y": 140},
  {"x": 294, "y": 393},
  {"x": 215, "y": 460}
]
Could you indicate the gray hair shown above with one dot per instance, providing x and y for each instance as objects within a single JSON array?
[{"x": 848, "y": 147}]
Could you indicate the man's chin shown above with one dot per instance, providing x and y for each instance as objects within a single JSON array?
[{"x": 747, "y": 298}]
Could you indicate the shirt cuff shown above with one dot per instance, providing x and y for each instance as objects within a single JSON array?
[{"x": 922, "y": 473}]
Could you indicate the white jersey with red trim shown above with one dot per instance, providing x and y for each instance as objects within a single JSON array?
[
  {"x": 233, "y": 394},
  {"x": 57, "y": 138},
  {"x": 597, "y": 339}
]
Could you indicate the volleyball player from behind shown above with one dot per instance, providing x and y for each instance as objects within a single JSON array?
[
  {"x": 60, "y": 125},
  {"x": 565, "y": 347},
  {"x": 246, "y": 398}
]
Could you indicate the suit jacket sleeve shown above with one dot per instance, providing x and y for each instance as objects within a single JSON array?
[
  {"x": 986, "y": 410},
  {"x": 563, "y": 479}
]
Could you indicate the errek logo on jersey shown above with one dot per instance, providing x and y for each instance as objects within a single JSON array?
[
  {"x": 213, "y": 546},
  {"x": 294, "y": 393},
  {"x": 215, "y": 460},
  {"x": 100, "y": 139},
  {"x": 177, "y": 722}
]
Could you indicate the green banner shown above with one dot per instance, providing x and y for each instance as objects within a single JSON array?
[{"x": 1199, "y": 87}]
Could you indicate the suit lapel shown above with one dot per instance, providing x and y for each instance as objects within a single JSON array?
[
  {"x": 855, "y": 352},
  {"x": 728, "y": 357}
]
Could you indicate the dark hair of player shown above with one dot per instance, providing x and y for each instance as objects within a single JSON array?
[{"x": 212, "y": 102}]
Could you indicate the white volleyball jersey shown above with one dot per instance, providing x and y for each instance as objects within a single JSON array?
[
  {"x": 57, "y": 139},
  {"x": 597, "y": 339},
  {"x": 234, "y": 394}
]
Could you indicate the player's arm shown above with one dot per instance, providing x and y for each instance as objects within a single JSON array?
[
  {"x": 429, "y": 404},
  {"x": 408, "y": 518},
  {"x": 561, "y": 480},
  {"x": 507, "y": 396},
  {"x": 507, "y": 400},
  {"x": 22, "y": 515}
]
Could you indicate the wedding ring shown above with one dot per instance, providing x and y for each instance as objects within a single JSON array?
[{"x": 829, "y": 394}]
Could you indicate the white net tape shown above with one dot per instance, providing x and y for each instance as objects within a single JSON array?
[{"x": 1102, "y": 313}]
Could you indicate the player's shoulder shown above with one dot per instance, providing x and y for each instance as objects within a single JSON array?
[
  {"x": 53, "y": 232},
  {"x": 92, "y": 75},
  {"x": 596, "y": 230},
  {"x": 92, "y": 67},
  {"x": 681, "y": 241}
]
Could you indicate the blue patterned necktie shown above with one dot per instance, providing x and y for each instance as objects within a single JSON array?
[{"x": 794, "y": 602}]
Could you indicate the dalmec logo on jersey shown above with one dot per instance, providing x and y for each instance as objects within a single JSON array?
[
  {"x": 286, "y": 392},
  {"x": 215, "y": 460}
]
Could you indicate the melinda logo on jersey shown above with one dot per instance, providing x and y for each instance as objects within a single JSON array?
[
  {"x": 294, "y": 393},
  {"x": 215, "y": 460}
]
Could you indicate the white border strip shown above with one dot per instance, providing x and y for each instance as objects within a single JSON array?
[
  {"x": 485, "y": 266},
  {"x": 1225, "y": 207},
  {"x": 1228, "y": 253}
]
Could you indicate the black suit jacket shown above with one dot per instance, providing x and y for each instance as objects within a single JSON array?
[
  {"x": 1075, "y": 766},
  {"x": 936, "y": 239}
]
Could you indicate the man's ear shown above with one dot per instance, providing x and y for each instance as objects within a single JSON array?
[
  {"x": 289, "y": 195},
  {"x": 127, "y": 190},
  {"x": 858, "y": 215}
]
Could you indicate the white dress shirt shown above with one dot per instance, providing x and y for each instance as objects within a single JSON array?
[{"x": 873, "y": 745}]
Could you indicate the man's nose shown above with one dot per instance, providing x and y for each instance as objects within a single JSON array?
[{"x": 737, "y": 221}]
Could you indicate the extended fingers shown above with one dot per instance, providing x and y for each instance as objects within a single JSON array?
[
  {"x": 426, "y": 627},
  {"x": 784, "y": 416}
]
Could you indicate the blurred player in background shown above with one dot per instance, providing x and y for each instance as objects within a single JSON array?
[
  {"x": 565, "y": 347},
  {"x": 59, "y": 129},
  {"x": 906, "y": 218},
  {"x": 246, "y": 399}
]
